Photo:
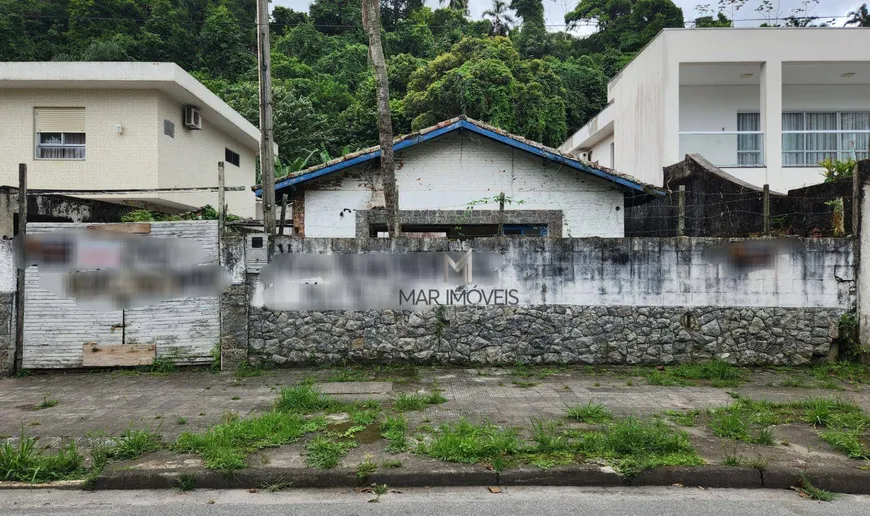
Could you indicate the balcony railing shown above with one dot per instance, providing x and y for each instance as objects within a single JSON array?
[{"x": 725, "y": 148}]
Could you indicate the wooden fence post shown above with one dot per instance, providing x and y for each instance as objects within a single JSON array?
[
  {"x": 222, "y": 202},
  {"x": 765, "y": 200},
  {"x": 501, "y": 214},
  {"x": 283, "y": 214},
  {"x": 17, "y": 355}
]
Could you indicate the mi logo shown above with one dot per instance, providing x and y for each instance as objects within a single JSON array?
[{"x": 463, "y": 264}]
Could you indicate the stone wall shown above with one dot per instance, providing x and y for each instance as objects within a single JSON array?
[
  {"x": 585, "y": 301},
  {"x": 545, "y": 335},
  {"x": 7, "y": 332}
]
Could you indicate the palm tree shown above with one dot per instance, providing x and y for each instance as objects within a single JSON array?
[
  {"x": 859, "y": 17},
  {"x": 459, "y": 5},
  {"x": 501, "y": 20}
]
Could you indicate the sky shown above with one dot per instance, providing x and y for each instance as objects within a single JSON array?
[{"x": 555, "y": 9}]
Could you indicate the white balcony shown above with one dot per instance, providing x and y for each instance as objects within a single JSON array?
[{"x": 725, "y": 148}]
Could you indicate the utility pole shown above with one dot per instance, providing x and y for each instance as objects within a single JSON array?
[{"x": 267, "y": 160}]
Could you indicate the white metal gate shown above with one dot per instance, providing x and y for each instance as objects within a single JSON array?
[{"x": 183, "y": 330}]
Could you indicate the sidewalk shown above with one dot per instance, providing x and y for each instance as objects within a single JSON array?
[{"x": 93, "y": 406}]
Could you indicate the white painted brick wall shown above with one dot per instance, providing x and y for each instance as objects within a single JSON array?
[
  {"x": 449, "y": 172},
  {"x": 184, "y": 330}
]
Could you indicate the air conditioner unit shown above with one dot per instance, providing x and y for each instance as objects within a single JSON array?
[{"x": 192, "y": 118}]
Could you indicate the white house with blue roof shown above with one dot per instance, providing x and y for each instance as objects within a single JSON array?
[{"x": 450, "y": 178}]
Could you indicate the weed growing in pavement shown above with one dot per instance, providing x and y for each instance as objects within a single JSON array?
[
  {"x": 470, "y": 443},
  {"x": 394, "y": 429},
  {"x": 391, "y": 464},
  {"x": 349, "y": 375},
  {"x": 25, "y": 462},
  {"x": 133, "y": 443},
  {"x": 417, "y": 401},
  {"x": 589, "y": 413},
  {"x": 185, "y": 482},
  {"x": 248, "y": 370},
  {"x": 181, "y": 420},
  {"x": 847, "y": 441},
  {"x": 303, "y": 398},
  {"x": 161, "y": 365},
  {"x": 684, "y": 418},
  {"x": 813, "y": 492},
  {"x": 47, "y": 402},
  {"x": 365, "y": 469},
  {"x": 324, "y": 453},
  {"x": 273, "y": 486},
  {"x": 522, "y": 384},
  {"x": 226, "y": 446},
  {"x": 718, "y": 372}
]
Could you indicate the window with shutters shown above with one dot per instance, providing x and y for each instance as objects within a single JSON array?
[{"x": 60, "y": 133}]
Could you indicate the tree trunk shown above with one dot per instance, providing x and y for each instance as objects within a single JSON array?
[{"x": 371, "y": 22}]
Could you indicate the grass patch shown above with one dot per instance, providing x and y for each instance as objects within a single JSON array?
[
  {"x": 589, "y": 413},
  {"x": 391, "y": 464},
  {"x": 134, "y": 443},
  {"x": 248, "y": 370},
  {"x": 24, "y": 462},
  {"x": 185, "y": 482},
  {"x": 417, "y": 401},
  {"x": 685, "y": 418},
  {"x": 365, "y": 469},
  {"x": 324, "y": 453},
  {"x": 226, "y": 446},
  {"x": 181, "y": 420},
  {"x": 718, "y": 372},
  {"x": 303, "y": 398},
  {"x": 470, "y": 443},
  {"x": 813, "y": 492},
  {"x": 394, "y": 430},
  {"x": 656, "y": 377},
  {"x": 273, "y": 486},
  {"x": 161, "y": 365},
  {"x": 630, "y": 444},
  {"x": 846, "y": 441},
  {"x": 524, "y": 384},
  {"x": 47, "y": 402}
]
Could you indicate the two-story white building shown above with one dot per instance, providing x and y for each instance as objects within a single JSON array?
[
  {"x": 764, "y": 104},
  {"x": 124, "y": 126}
]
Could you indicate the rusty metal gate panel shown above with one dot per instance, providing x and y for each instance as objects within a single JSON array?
[{"x": 183, "y": 330}]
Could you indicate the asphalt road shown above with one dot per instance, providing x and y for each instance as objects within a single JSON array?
[{"x": 526, "y": 501}]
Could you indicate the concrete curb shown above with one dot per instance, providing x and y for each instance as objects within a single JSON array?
[{"x": 853, "y": 481}]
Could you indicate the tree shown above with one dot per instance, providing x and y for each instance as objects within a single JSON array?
[
  {"x": 501, "y": 20},
  {"x": 458, "y": 5},
  {"x": 394, "y": 10},
  {"x": 626, "y": 25},
  {"x": 222, "y": 45},
  {"x": 371, "y": 22},
  {"x": 859, "y": 17},
  {"x": 531, "y": 41},
  {"x": 284, "y": 19}
]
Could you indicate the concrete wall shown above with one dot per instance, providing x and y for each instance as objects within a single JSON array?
[
  {"x": 7, "y": 307},
  {"x": 451, "y": 171},
  {"x": 191, "y": 158},
  {"x": 586, "y": 301},
  {"x": 112, "y": 160},
  {"x": 640, "y": 121},
  {"x": 141, "y": 157}
]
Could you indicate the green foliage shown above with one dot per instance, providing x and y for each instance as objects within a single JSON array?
[
  {"x": 303, "y": 398},
  {"x": 417, "y": 401},
  {"x": 226, "y": 446},
  {"x": 185, "y": 482},
  {"x": 518, "y": 76},
  {"x": 47, "y": 402},
  {"x": 324, "y": 453},
  {"x": 469, "y": 443},
  {"x": 836, "y": 170},
  {"x": 589, "y": 413},
  {"x": 394, "y": 429},
  {"x": 813, "y": 492},
  {"x": 134, "y": 443},
  {"x": 25, "y": 462}
]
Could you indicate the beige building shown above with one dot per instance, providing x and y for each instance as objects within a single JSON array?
[
  {"x": 116, "y": 126},
  {"x": 764, "y": 104}
]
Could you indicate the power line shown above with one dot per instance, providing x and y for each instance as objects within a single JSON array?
[{"x": 355, "y": 26}]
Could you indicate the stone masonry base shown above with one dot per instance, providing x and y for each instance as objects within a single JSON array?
[{"x": 545, "y": 335}]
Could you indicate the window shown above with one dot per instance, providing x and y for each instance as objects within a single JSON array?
[
  {"x": 808, "y": 138},
  {"x": 168, "y": 128},
  {"x": 232, "y": 157},
  {"x": 749, "y": 145},
  {"x": 60, "y": 133}
]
